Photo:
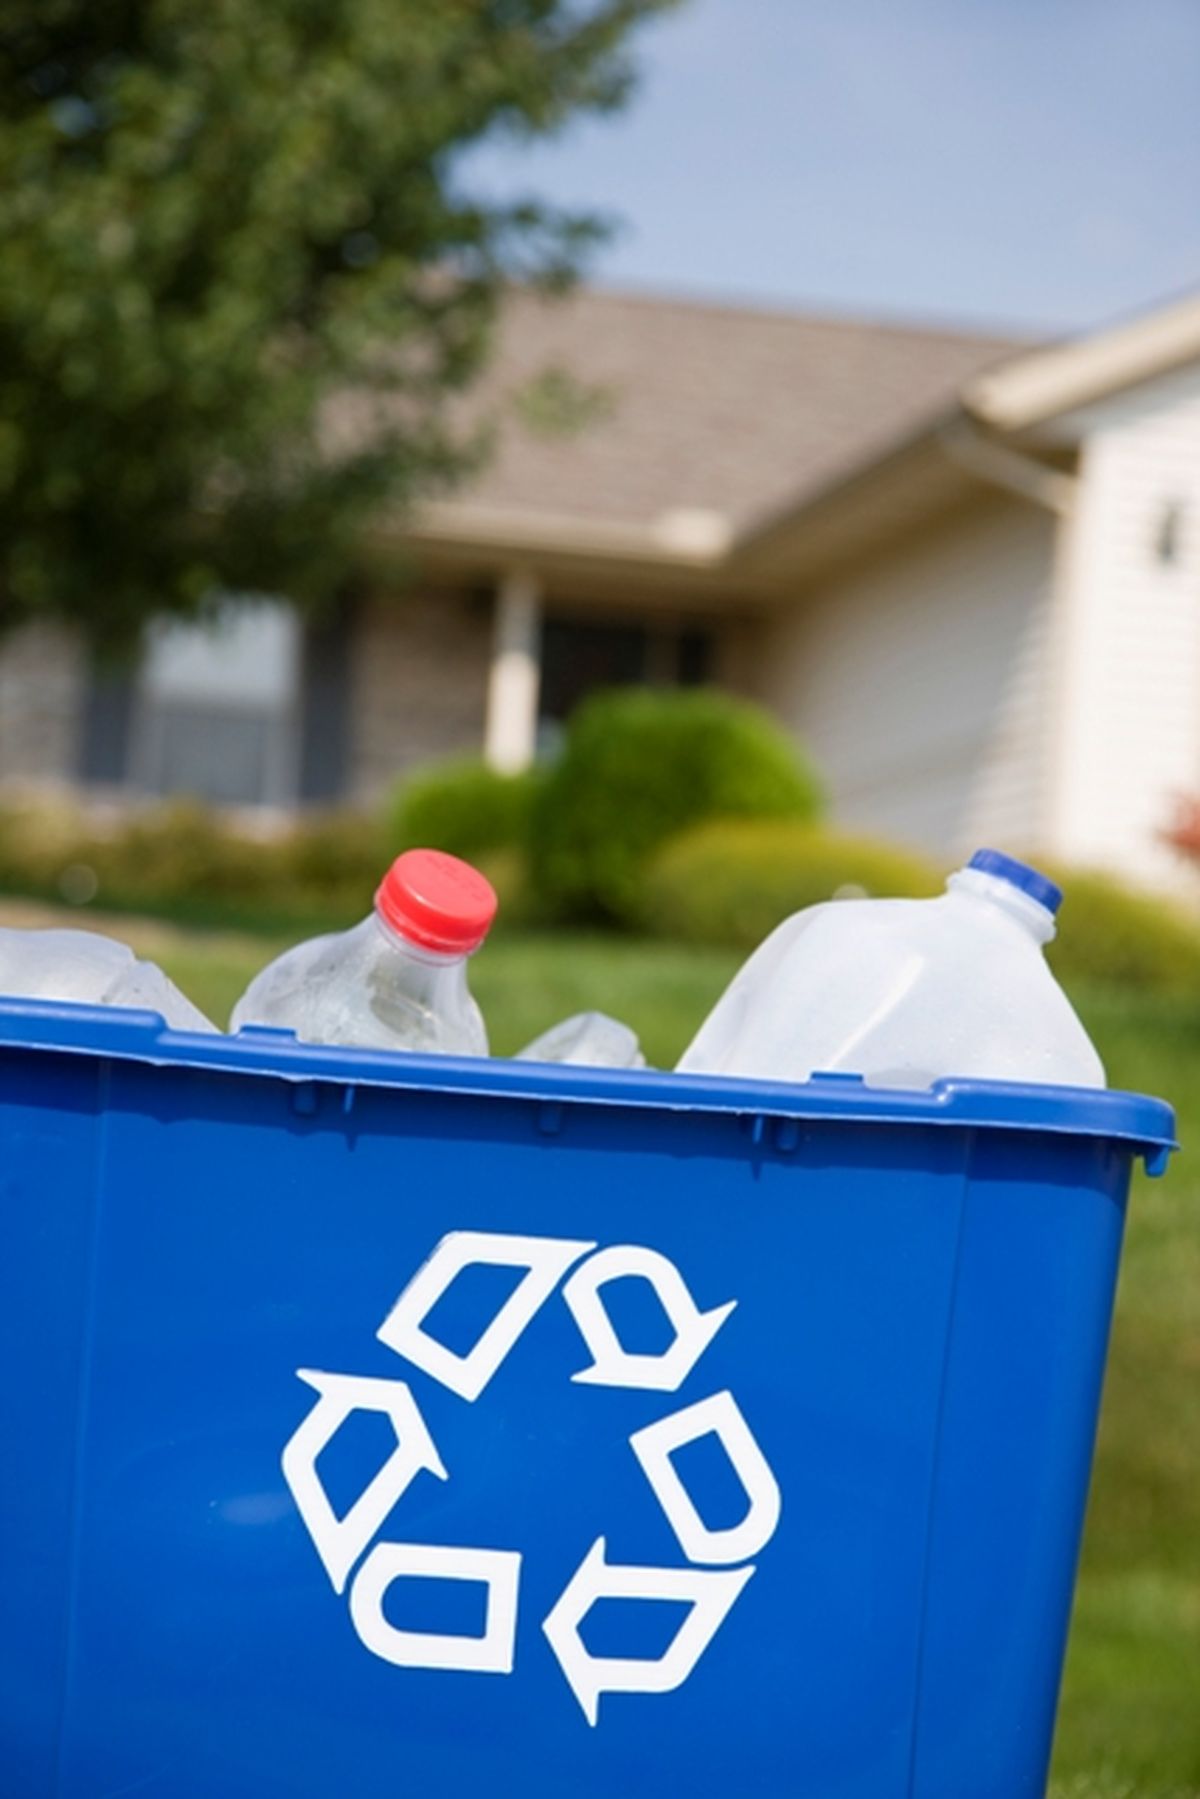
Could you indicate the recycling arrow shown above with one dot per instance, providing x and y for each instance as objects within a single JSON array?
[
  {"x": 719, "y": 1416},
  {"x": 498, "y": 1570},
  {"x": 612, "y": 1364},
  {"x": 349, "y": 1545},
  {"x": 709, "y": 1593},
  {"x": 340, "y": 1541},
  {"x": 545, "y": 1259}
]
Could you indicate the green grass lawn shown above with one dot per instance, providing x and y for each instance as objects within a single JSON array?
[
  {"x": 1130, "y": 1718},
  {"x": 1129, "y": 1726}
]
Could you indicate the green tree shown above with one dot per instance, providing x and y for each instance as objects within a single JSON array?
[{"x": 243, "y": 274}]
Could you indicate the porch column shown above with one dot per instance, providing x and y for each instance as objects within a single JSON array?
[{"x": 510, "y": 733}]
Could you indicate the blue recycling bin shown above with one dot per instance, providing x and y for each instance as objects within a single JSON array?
[{"x": 379, "y": 1424}]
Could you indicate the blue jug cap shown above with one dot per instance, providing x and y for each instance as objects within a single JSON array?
[{"x": 1039, "y": 887}]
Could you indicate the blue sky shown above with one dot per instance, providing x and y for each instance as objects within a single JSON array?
[{"x": 1029, "y": 163}]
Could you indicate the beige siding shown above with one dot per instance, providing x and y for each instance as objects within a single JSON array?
[
  {"x": 42, "y": 687},
  {"x": 920, "y": 682},
  {"x": 418, "y": 685},
  {"x": 1130, "y": 739}
]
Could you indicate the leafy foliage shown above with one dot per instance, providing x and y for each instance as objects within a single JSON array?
[
  {"x": 473, "y": 811},
  {"x": 733, "y": 880},
  {"x": 245, "y": 272},
  {"x": 181, "y": 861},
  {"x": 639, "y": 765},
  {"x": 462, "y": 806},
  {"x": 186, "y": 863},
  {"x": 1108, "y": 932},
  {"x": 556, "y": 403}
]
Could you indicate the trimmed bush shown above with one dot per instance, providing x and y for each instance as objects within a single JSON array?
[
  {"x": 38, "y": 840},
  {"x": 508, "y": 871},
  {"x": 1111, "y": 933},
  {"x": 640, "y": 765},
  {"x": 183, "y": 862},
  {"x": 333, "y": 862},
  {"x": 176, "y": 853},
  {"x": 732, "y": 881},
  {"x": 463, "y": 807}
]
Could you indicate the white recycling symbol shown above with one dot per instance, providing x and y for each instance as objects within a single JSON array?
[{"x": 719, "y": 1561}]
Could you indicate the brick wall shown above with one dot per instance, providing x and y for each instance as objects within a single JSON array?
[
  {"x": 42, "y": 686},
  {"x": 418, "y": 684}
]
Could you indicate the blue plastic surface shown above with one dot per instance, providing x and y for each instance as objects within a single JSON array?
[{"x": 892, "y": 1428}]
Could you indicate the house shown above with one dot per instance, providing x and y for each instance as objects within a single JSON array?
[{"x": 965, "y": 570}]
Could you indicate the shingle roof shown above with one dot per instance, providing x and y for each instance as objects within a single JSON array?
[{"x": 706, "y": 407}]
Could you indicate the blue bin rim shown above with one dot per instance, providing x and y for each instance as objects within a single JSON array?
[{"x": 1145, "y": 1124}]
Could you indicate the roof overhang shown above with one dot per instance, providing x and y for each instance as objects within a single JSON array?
[
  {"x": 695, "y": 557},
  {"x": 1034, "y": 389},
  {"x": 684, "y": 556},
  {"x": 916, "y": 481}
]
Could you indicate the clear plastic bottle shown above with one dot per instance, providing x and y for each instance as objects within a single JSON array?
[
  {"x": 587, "y": 1040},
  {"x": 84, "y": 967},
  {"x": 398, "y": 980},
  {"x": 905, "y": 992}
]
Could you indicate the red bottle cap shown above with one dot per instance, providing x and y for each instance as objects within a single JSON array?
[{"x": 436, "y": 901}]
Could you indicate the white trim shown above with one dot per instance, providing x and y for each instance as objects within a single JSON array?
[
  {"x": 1040, "y": 386},
  {"x": 687, "y": 537},
  {"x": 1001, "y": 466}
]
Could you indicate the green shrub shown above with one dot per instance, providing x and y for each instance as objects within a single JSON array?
[
  {"x": 508, "y": 871},
  {"x": 1111, "y": 933},
  {"x": 733, "y": 880},
  {"x": 336, "y": 859},
  {"x": 181, "y": 861},
  {"x": 462, "y": 806},
  {"x": 639, "y": 765},
  {"x": 164, "y": 856},
  {"x": 173, "y": 854},
  {"x": 184, "y": 862},
  {"x": 38, "y": 840}
]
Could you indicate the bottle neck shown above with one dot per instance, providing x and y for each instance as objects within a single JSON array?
[
  {"x": 975, "y": 885},
  {"x": 427, "y": 972}
]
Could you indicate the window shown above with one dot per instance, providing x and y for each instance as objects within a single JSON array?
[
  {"x": 579, "y": 656},
  {"x": 210, "y": 710},
  {"x": 215, "y": 714}
]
